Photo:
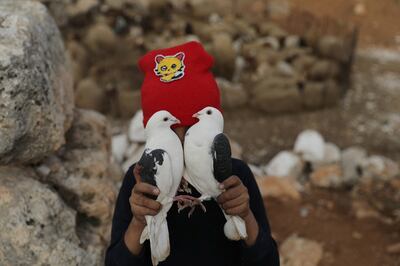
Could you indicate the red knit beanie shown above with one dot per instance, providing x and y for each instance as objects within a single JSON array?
[{"x": 178, "y": 79}]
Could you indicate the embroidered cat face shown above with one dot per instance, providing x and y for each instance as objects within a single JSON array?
[{"x": 170, "y": 68}]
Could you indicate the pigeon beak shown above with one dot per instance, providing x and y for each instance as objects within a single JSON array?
[
  {"x": 196, "y": 115},
  {"x": 176, "y": 121}
]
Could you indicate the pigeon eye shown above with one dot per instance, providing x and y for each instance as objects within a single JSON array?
[
  {"x": 165, "y": 119},
  {"x": 209, "y": 112}
]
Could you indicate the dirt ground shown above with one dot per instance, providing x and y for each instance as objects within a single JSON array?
[
  {"x": 346, "y": 240},
  {"x": 368, "y": 116}
]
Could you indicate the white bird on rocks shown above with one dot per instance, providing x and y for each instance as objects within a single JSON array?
[
  {"x": 161, "y": 165},
  {"x": 208, "y": 163}
]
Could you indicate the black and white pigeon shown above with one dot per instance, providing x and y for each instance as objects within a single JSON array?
[
  {"x": 161, "y": 165},
  {"x": 208, "y": 163}
]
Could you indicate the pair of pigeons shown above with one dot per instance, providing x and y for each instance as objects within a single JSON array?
[{"x": 204, "y": 162}]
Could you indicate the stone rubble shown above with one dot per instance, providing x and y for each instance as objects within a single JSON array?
[
  {"x": 310, "y": 145},
  {"x": 285, "y": 164},
  {"x": 280, "y": 69},
  {"x": 298, "y": 251},
  {"x": 374, "y": 179}
]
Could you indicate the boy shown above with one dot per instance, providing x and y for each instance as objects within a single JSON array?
[{"x": 179, "y": 80}]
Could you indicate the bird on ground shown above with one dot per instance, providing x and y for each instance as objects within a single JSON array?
[
  {"x": 208, "y": 162},
  {"x": 160, "y": 165}
]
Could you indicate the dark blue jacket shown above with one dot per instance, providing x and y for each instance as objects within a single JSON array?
[{"x": 198, "y": 240}]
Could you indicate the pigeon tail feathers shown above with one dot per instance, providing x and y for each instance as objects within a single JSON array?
[
  {"x": 159, "y": 239},
  {"x": 235, "y": 228}
]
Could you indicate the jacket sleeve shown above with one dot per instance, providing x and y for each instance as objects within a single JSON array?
[
  {"x": 264, "y": 251},
  {"x": 117, "y": 253}
]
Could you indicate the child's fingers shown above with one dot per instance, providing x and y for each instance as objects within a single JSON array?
[
  {"x": 235, "y": 202},
  {"x": 141, "y": 211},
  {"x": 144, "y": 188},
  {"x": 232, "y": 193},
  {"x": 146, "y": 202},
  {"x": 237, "y": 210},
  {"x": 230, "y": 182}
]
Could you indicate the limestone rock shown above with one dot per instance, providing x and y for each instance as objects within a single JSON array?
[
  {"x": 285, "y": 69},
  {"x": 57, "y": 10},
  {"x": 276, "y": 95},
  {"x": 332, "y": 153},
  {"x": 298, "y": 251},
  {"x": 292, "y": 41},
  {"x": 379, "y": 167},
  {"x": 134, "y": 157},
  {"x": 79, "y": 59},
  {"x": 131, "y": 150},
  {"x": 120, "y": 4},
  {"x": 256, "y": 170},
  {"x": 381, "y": 195},
  {"x": 222, "y": 49},
  {"x": 119, "y": 144},
  {"x": 101, "y": 39},
  {"x": 36, "y": 226},
  {"x": 36, "y": 94},
  {"x": 277, "y": 187},
  {"x": 332, "y": 92},
  {"x": 205, "y": 8},
  {"x": 327, "y": 176},
  {"x": 304, "y": 62},
  {"x": 335, "y": 48},
  {"x": 323, "y": 70},
  {"x": 236, "y": 149},
  {"x": 271, "y": 42},
  {"x": 81, "y": 7},
  {"x": 81, "y": 172},
  {"x": 272, "y": 29},
  {"x": 136, "y": 128},
  {"x": 232, "y": 95},
  {"x": 352, "y": 159},
  {"x": 310, "y": 144},
  {"x": 359, "y": 9},
  {"x": 129, "y": 102},
  {"x": 89, "y": 95},
  {"x": 362, "y": 210},
  {"x": 90, "y": 130},
  {"x": 285, "y": 164},
  {"x": 313, "y": 95}
]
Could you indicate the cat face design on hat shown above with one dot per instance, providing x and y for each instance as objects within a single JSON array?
[{"x": 170, "y": 68}]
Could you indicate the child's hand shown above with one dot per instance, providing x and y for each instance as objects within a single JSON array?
[
  {"x": 141, "y": 204},
  {"x": 235, "y": 199}
]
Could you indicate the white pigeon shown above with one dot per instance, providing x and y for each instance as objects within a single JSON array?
[
  {"x": 161, "y": 165},
  {"x": 206, "y": 150}
]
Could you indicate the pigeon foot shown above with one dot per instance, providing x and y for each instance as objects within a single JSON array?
[{"x": 185, "y": 201}]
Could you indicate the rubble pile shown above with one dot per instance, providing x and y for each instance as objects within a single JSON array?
[
  {"x": 314, "y": 163},
  {"x": 258, "y": 63}
]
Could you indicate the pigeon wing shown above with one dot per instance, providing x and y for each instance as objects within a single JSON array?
[
  {"x": 156, "y": 169},
  {"x": 222, "y": 161}
]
